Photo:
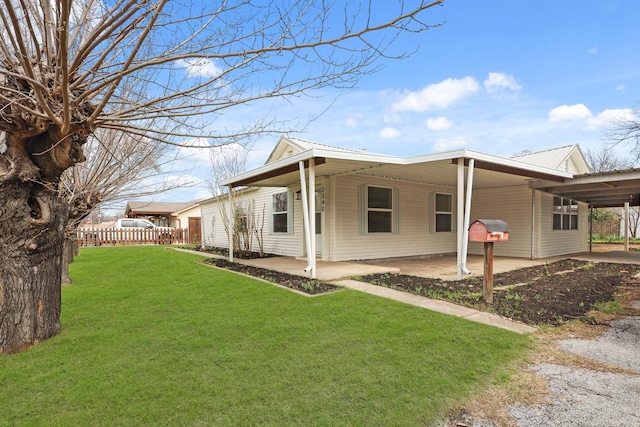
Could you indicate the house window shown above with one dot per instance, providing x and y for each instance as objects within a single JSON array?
[
  {"x": 565, "y": 214},
  {"x": 280, "y": 213},
  {"x": 441, "y": 212},
  {"x": 379, "y": 211}
]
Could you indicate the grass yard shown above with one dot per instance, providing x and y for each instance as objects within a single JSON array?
[{"x": 151, "y": 337}]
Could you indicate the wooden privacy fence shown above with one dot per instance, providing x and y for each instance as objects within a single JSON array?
[{"x": 122, "y": 236}]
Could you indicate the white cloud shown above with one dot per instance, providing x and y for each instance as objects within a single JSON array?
[
  {"x": 200, "y": 67},
  {"x": 437, "y": 95},
  {"x": 580, "y": 113},
  {"x": 609, "y": 117},
  {"x": 447, "y": 144},
  {"x": 182, "y": 180},
  {"x": 389, "y": 133},
  {"x": 497, "y": 82},
  {"x": 439, "y": 123},
  {"x": 566, "y": 113},
  {"x": 196, "y": 150},
  {"x": 620, "y": 87}
]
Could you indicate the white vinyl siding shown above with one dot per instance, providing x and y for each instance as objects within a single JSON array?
[
  {"x": 413, "y": 236},
  {"x": 553, "y": 242},
  {"x": 513, "y": 206},
  {"x": 215, "y": 233}
]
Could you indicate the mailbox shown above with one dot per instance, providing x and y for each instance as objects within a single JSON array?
[{"x": 489, "y": 230}]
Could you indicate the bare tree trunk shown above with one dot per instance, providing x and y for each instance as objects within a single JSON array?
[
  {"x": 32, "y": 221},
  {"x": 68, "y": 252}
]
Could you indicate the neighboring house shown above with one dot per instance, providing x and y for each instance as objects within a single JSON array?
[
  {"x": 369, "y": 206},
  {"x": 189, "y": 218},
  {"x": 166, "y": 214}
]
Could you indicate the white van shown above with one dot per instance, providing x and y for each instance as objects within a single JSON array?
[{"x": 135, "y": 223}]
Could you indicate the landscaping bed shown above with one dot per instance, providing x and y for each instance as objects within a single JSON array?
[
  {"x": 298, "y": 283},
  {"x": 547, "y": 294},
  {"x": 550, "y": 294}
]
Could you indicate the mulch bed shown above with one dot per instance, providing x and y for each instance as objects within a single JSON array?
[
  {"x": 546, "y": 294},
  {"x": 299, "y": 283}
]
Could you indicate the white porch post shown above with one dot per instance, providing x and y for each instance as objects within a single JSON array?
[
  {"x": 467, "y": 217},
  {"x": 312, "y": 215},
  {"x": 626, "y": 226},
  {"x": 305, "y": 217},
  {"x": 231, "y": 223},
  {"x": 460, "y": 216}
]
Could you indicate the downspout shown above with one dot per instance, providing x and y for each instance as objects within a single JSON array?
[
  {"x": 305, "y": 215},
  {"x": 533, "y": 223},
  {"x": 230, "y": 224},
  {"x": 467, "y": 215}
]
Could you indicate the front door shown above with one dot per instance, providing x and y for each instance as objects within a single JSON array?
[
  {"x": 319, "y": 215},
  {"x": 318, "y": 233}
]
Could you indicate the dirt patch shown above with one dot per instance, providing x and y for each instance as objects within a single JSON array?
[
  {"x": 549, "y": 294},
  {"x": 298, "y": 283}
]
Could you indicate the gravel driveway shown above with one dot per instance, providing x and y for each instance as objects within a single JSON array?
[{"x": 585, "y": 398}]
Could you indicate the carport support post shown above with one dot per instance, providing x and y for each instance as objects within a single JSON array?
[
  {"x": 626, "y": 226},
  {"x": 231, "y": 224},
  {"x": 487, "y": 288}
]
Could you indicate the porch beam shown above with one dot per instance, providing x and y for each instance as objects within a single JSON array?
[
  {"x": 511, "y": 170},
  {"x": 277, "y": 172}
]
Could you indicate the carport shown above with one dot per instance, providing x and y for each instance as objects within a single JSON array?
[{"x": 599, "y": 190}]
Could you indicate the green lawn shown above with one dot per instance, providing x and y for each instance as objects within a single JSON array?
[{"x": 150, "y": 337}]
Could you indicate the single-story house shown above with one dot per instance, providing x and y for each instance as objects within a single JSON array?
[
  {"x": 313, "y": 200},
  {"x": 169, "y": 214}
]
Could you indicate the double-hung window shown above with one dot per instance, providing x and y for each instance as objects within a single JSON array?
[
  {"x": 565, "y": 214},
  {"x": 378, "y": 213},
  {"x": 441, "y": 212},
  {"x": 280, "y": 213}
]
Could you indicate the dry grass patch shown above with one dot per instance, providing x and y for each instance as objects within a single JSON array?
[{"x": 525, "y": 387}]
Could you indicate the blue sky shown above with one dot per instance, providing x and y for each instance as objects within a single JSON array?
[{"x": 499, "y": 76}]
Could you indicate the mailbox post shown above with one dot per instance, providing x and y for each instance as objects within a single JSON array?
[{"x": 488, "y": 231}]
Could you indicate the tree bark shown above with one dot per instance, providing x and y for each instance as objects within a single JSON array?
[
  {"x": 32, "y": 223},
  {"x": 68, "y": 252}
]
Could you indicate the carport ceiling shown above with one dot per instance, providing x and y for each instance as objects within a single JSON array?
[{"x": 600, "y": 190}]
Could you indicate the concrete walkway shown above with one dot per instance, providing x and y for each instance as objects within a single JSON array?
[{"x": 438, "y": 306}]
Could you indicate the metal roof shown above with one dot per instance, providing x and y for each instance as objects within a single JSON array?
[
  {"x": 545, "y": 171},
  {"x": 435, "y": 169},
  {"x": 600, "y": 190}
]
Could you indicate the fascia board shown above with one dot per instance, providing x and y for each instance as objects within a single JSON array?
[
  {"x": 469, "y": 154},
  {"x": 295, "y": 158},
  {"x": 518, "y": 164}
]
